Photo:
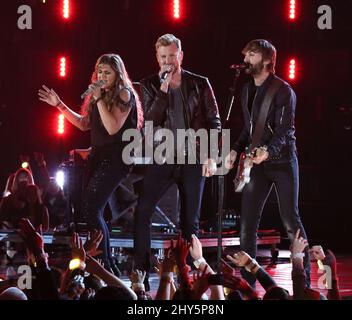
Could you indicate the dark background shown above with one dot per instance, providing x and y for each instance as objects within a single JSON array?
[{"x": 213, "y": 34}]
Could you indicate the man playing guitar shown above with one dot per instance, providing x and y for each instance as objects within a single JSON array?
[{"x": 272, "y": 160}]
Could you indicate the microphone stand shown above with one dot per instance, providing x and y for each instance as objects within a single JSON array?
[{"x": 221, "y": 178}]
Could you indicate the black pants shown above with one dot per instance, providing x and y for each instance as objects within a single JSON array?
[
  {"x": 285, "y": 178},
  {"x": 157, "y": 179},
  {"x": 105, "y": 176}
]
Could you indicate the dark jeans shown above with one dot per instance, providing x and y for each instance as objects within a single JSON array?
[
  {"x": 284, "y": 176},
  {"x": 157, "y": 179},
  {"x": 104, "y": 179}
]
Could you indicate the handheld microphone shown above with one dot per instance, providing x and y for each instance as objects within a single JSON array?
[
  {"x": 164, "y": 76},
  {"x": 97, "y": 84},
  {"x": 241, "y": 66}
]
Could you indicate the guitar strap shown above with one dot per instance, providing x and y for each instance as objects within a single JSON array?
[{"x": 259, "y": 127}]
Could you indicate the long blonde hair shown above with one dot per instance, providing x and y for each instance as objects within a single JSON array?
[{"x": 112, "y": 97}]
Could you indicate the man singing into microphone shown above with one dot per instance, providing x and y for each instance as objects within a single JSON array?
[
  {"x": 275, "y": 160},
  {"x": 174, "y": 99}
]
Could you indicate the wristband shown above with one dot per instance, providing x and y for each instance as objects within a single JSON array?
[
  {"x": 60, "y": 108},
  {"x": 97, "y": 100},
  {"x": 197, "y": 262},
  {"x": 138, "y": 286},
  {"x": 251, "y": 265},
  {"x": 297, "y": 255}
]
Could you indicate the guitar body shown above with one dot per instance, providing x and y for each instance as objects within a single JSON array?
[{"x": 243, "y": 171}]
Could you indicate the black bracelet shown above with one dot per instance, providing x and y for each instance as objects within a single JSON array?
[
  {"x": 97, "y": 100},
  {"x": 58, "y": 106}
]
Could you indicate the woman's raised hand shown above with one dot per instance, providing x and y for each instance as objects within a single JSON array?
[{"x": 49, "y": 96}]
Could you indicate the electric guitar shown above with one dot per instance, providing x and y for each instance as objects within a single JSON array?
[{"x": 245, "y": 165}]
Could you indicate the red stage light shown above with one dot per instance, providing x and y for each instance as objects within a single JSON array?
[
  {"x": 292, "y": 10},
  {"x": 63, "y": 67},
  {"x": 176, "y": 9},
  {"x": 65, "y": 9},
  {"x": 61, "y": 124},
  {"x": 292, "y": 69}
]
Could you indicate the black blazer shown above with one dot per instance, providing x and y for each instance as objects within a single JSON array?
[
  {"x": 201, "y": 109},
  {"x": 279, "y": 130}
]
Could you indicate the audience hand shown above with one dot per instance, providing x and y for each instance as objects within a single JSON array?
[
  {"x": 200, "y": 283},
  {"x": 240, "y": 259},
  {"x": 77, "y": 249},
  {"x": 137, "y": 276},
  {"x": 236, "y": 283},
  {"x": 168, "y": 263},
  {"x": 32, "y": 238},
  {"x": 39, "y": 158},
  {"x": 226, "y": 268},
  {"x": 298, "y": 244},
  {"x": 195, "y": 249},
  {"x": 181, "y": 251},
  {"x": 92, "y": 243}
]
